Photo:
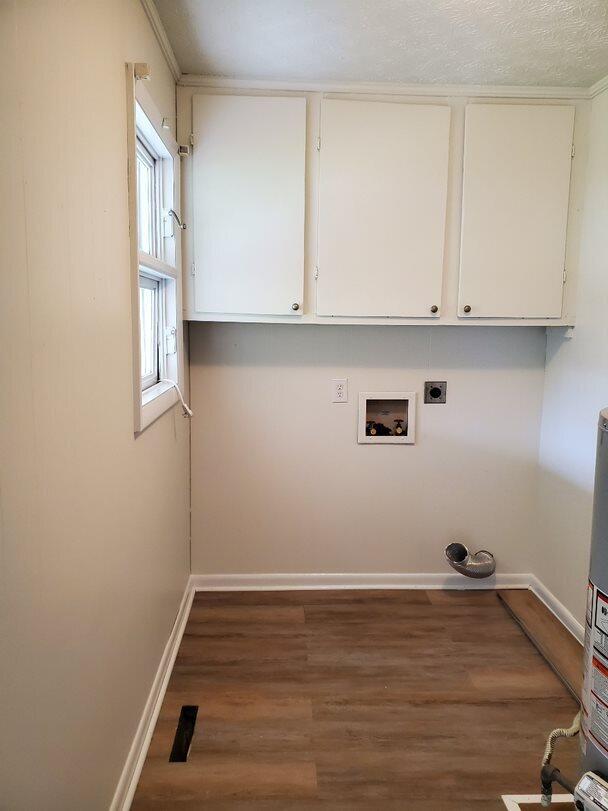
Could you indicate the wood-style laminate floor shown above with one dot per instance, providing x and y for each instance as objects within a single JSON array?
[
  {"x": 549, "y": 636},
  {"x": 353, "y": 700}
]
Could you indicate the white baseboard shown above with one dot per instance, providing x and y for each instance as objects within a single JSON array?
[
  {"x": 285, "y": 582},
  {"x": 123, "y": 796},
  {"x": 566, "y": 618}
]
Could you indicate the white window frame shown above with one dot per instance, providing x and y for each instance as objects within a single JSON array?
[{"x": 145, "y": 123}]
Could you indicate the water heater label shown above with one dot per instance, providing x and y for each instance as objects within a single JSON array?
[
  {"x": 600, "y": 625},
  {"x": 588, "y": 656},
  {"x": 599, "y": 721},
  {"x": 599, "y": 680},
  {"x": 593, "y": 791}
]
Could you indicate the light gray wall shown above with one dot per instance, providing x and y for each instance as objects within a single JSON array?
[
  {"x": 93, "y": 522},
  {"x": 576, "y": 388},
  {"x": 280, "y": 484}
]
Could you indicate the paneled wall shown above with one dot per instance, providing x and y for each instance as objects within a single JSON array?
[
  {"x": 93, "y": 522},
  {"x": 279, "y": 483}
]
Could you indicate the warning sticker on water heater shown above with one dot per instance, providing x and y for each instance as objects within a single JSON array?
[
  {"x": 598, "y": 721},
  {"x": 599, "y": 680},
  {"x": 600, "y": 625}
]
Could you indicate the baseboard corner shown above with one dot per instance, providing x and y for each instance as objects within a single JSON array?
[{"x": 557, "y": 608}]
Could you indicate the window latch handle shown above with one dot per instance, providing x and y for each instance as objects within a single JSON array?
[{"x": 175, "y": 216}]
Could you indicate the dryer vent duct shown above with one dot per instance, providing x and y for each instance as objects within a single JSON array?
[{"x": 481, "y": 564}]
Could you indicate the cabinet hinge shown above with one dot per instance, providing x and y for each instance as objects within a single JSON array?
[
  {"x": 183, "y": 150},
  {"x": 191, "y": 139},
  {"x": 564, "y": 275},
  {"x": 193, "y": 269},
  {"x": 572, "y": 151},
  {"x": 319, "y": 144},
  {"x": 316, "y": 272}
]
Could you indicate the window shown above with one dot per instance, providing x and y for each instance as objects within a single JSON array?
[
  {"x": 153, "y": 184},
  {"x": 156, "y": 252},
  {"x": 151, "y": 287}
]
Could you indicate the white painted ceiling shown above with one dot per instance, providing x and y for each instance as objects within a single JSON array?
[{"x": 531, "y": 42}]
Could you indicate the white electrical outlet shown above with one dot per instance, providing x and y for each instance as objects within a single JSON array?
[{"x": 339, "y": 390}]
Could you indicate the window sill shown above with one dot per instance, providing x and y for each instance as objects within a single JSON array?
[{"x": 155, "y": 401}]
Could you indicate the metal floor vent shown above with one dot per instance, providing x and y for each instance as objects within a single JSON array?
[{"x": 183, "y": 734}]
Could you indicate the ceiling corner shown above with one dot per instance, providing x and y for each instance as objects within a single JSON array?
[{"x": 161, "y": 36}]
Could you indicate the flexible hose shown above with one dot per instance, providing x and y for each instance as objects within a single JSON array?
[{"x": 561, "y": 733}]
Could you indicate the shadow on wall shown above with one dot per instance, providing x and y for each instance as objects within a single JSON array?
[
  {"x": 397, "y": 347},
  {"x": 562, "y": 560}
]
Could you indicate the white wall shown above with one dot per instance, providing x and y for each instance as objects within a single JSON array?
[
  {"x": 576, "y": 388},
  {"x": 280, "y": 485},
  {"x": 93, "y": 522}
]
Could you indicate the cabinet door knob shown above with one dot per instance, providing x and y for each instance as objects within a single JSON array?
[
  {"x": 295, "y": 306},
  {"x": 467, "y": 308},
  {"x": 434, "y": 308}
]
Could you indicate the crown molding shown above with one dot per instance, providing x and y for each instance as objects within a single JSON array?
[
  {"x": 161, "y": 36},
  {"x": 599, "y": 87},
  {"x": 389, "y": 88}
]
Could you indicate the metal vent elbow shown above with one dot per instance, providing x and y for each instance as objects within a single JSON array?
[{"x": 481, "y": 564}]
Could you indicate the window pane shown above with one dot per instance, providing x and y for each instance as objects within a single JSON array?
[
  {"x": 143, "y": 209},
  {"x": 148, "y": 318},
  {"x": 147, "y": 204}
]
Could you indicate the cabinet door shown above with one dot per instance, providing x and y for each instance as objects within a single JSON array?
[
  {"x": 248, "y": 204},
  {"x": 517, "y": 162},
  {"x": 383, "y": 188}
]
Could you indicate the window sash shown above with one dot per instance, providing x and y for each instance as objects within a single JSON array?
[
  {"x": 149, "y": 199},
  {"x": 150, "y": 330}
]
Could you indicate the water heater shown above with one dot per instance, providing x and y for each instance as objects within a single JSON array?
[{"x": 594, "y": 715}]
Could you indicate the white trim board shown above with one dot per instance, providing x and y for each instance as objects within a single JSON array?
[
  {"x": 125, "y": 790},
  {"x": 286, "y": 582},
  {"x": 162, "y": 38},
  {"x": 559, "y": 610},
  {"x": 389, "y": 88},
  {"x": 598, "y": 87}
]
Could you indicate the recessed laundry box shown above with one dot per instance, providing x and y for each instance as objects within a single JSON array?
[{"x": 387, "y": 418}]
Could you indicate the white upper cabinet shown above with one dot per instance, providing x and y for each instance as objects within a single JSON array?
[
  {"x": 248, "y": 204},
  {"x": 517, "y": 163},
  {"x": 316, "y": 208},
  {"x": 383, "y": 190}
]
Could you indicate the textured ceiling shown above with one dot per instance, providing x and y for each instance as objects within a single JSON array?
[{"x": 533, "y": 42}]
